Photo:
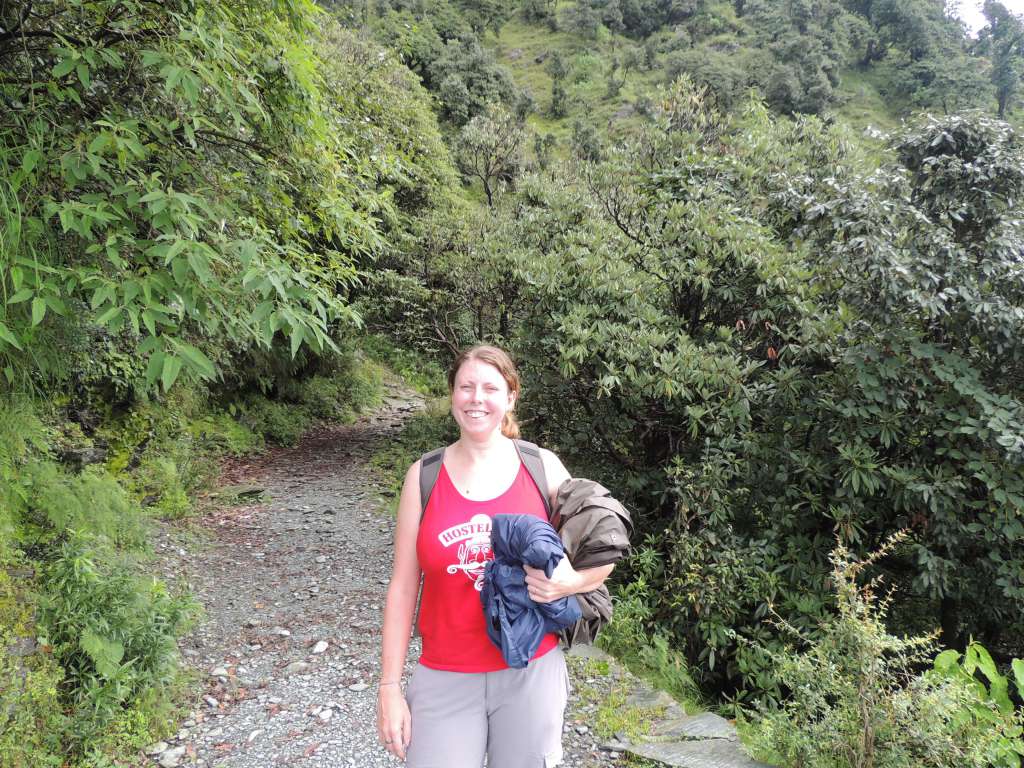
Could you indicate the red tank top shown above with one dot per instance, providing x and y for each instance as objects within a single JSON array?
[{"x": 453, "y": 543}]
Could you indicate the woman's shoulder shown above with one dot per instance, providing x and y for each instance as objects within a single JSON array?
[{"x": 554, "y": 469}]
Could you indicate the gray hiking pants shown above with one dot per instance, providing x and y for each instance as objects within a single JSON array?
[{"x": 514, "y": 716}]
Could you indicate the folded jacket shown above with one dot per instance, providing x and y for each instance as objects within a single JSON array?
[
  {"x": 515, "y": 623},
  {"x": 595, "y": 530}
]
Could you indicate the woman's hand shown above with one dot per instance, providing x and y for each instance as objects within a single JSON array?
[
  {"x": 564, "y": 581},
  {"x": 394, "y": 723}
]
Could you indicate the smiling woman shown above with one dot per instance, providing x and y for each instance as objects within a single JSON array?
[
  {"x": 464, "y": 700},
  {"x": 484, "y": 390}
]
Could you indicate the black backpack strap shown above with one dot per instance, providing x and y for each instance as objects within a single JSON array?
[
  {"x": 430, "y": 468},
  {"x": 529, "y": 454}
]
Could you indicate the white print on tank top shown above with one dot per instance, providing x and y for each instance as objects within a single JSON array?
[{"x": 474, "y": 540}]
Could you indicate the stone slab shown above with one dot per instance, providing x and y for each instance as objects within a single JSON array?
[
  {"x": 589, "y": 652},
  {"x": 706, "y": 725},
  {"x": 649, "y": 698},
  {"x": 709, "y": 753}
]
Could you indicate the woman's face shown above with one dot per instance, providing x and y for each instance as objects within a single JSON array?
[{"x": 480, "y": 398}]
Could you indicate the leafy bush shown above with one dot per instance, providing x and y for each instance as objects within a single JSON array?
[
  {"x": 748, "y": 327},
  {"x": 93, "y": 501},
  {"x": 422, "y": 373},
  {"x": 344, "y": 394},
  {"x": 857, "y": 700},
  {"x": 629, "y": 638},
  {"x": 991, "y": 707},
  {"x": 279, "y": 422},
  {"x": 31, "y": 713},
  {"x": 114, "y": 633},
  {"x": 224, "y": 434}
]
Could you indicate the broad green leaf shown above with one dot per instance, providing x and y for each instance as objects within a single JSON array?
[
  {"x": 31, "y": 160},
  {"x": 82, "y": 70},
  {"x": 172, "y": 367},
  {"x": 179, "y": 268},
  {"x": 111, "y": 314},
  {"x": 297, "y": 336},
  {"x": 200, "y": 265},
  {"x": 57, "y": 305},
  {"x": 38, "y": 310},
  {"x": 106, "y": 654},
  {"x": 10, "y": 338},
  {"x": 155, "y": 367},
  {"x": 1017, "y": 665},
  {"x": 19, "y": 296},
  {"x": 63, "y": 67},
  {"x": 983, "y": 660},
  {"x": 946, "y": 661},
  {"x": 149, "y": 320},
  {"x": 197, "y": 359},
  {"x": 176, "y": 247}
]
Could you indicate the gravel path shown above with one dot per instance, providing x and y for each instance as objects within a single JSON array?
[{"x": 293, "y": 587}]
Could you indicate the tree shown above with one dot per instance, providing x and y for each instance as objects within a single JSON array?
[
  {"x": 581, "y": 18},
  {"x": 1003, "y": 40},
  {"x": 539, "y": 10},
  {"x": 488, "y": 148},
  {"x": 485, "y": 14},
  {"x": 467, "y": 78},
  {"x": 770, "y": 341},
  {"x": 543, "y": 146},
  {"x": 586, "y": 144},
  {"x": 559, "y": 100},
  {"x": 139, "y": 209},
  {"x": 615, "y": 77}
]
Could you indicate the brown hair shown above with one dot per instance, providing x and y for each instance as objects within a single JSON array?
[{"x": 499, "y": 358}]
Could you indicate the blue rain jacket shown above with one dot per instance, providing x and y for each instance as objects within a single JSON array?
[{"x": 515, "y": 623}]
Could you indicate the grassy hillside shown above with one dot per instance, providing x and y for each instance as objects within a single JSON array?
[
  {"x": 865, "y": 98},
  {"x": 525, "y": 49}
]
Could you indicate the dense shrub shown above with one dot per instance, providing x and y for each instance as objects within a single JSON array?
[
  {"x": 113, "y": 632},
  {"x": 195, "y": 207},
  {"x": 858, "y": 697},
  {"x": 32, "y": 717},
  {"x": 764, "y": 339}
]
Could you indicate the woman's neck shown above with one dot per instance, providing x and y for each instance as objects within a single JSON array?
[{"x": 480, "y": 451}]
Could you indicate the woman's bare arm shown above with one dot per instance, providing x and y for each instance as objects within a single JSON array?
[
  {"x": 393, "y": 719},
  {"x": 556, "y": 474}
]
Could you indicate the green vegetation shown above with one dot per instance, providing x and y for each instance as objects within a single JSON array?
[
  {"x": 189, "y": 193},
  {"x": 762, "y": 321},
  {"x": 648, "y": 652},
  {"x": 88, "y": 657},
  {"x": 613, "y": 713},
  {"x": 425, "y": 431},
  {"x": 744, "y": 324},
  {"x": 858, "y": 698}
]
